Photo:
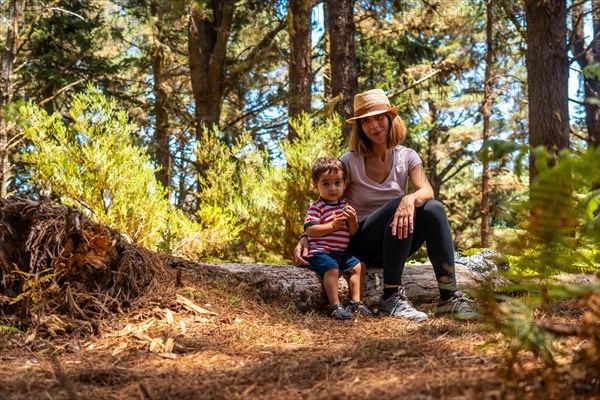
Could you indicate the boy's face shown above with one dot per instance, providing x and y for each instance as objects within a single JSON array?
[{"x": 331, "y": 186}]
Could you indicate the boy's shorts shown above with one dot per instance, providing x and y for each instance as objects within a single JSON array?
[{"x": 340, "y": 260}]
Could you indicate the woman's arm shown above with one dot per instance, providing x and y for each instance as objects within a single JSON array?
[
  {"x": 423, "y": 190},
  {"x": 301, "y": 251},
  {"x": 402, "y": 224}
]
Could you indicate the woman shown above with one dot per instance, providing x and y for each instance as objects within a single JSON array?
[{"x": 394, "y": 224}]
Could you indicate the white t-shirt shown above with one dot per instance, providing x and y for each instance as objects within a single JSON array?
[{"x": 365, "y": 195}]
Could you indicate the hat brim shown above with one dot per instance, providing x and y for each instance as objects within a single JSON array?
[{"x": 393, "y": 110}]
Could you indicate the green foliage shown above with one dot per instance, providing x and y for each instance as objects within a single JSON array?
[
  {"x": 89, "y": 160},
  {"x": 313, "y": 141},
  {"x": 69, "y": 44},
  {"x": 35, "y": 285},
  {"x": 9, "y": 329},
  {"x": 264, "y": 201},
  {"x": 558, "y": 234},
  {"x": 592, "y": 71},
  {"x": 517, "y": 323},
  {"x": 494, "y": 150},
  {"x": 561, "y": 218}
]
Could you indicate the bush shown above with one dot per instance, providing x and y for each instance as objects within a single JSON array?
[
  {"x": 267, "y": 199},
  {"x": 561, "y": 219},
  {"x": 558, "y": 234},
  {"x": 89, "y": 161}
]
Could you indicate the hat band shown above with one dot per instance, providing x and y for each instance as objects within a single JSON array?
[{"x": 377, "y": 107}]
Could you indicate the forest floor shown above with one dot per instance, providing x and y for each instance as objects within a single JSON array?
[{"x": 224, "y": 342}]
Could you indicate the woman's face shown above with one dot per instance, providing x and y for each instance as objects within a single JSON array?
[{"x": 377, "y": 128}]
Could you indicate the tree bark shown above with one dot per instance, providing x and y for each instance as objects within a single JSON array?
[
  {"x": 433, "y": 140},
  {"x": 300, "y": 72},
  {"x": 547, "y": 76},
  {"x": 485, "y": 111},
  {"x": 207, "y": 47},
  {"x": 161, "y": 129},
  {"x": 7, "y": 63},
  {"x": 587, "y": 55},
  {"x": 340, "y": 22}
]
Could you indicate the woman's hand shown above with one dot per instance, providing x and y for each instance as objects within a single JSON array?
[
  {"x": 301, "y": 251},
  {"x": 402, "y": 225}
]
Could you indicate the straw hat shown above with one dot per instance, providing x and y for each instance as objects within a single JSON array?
[{"x": 371, "y": 102}]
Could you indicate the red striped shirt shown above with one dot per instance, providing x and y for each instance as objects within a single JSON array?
[{"x": 321, "y": 212}]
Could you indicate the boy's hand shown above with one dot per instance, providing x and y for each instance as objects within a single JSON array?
[
  {"x": 339, "y": 220},
  {"x": 350, "y": 213}
]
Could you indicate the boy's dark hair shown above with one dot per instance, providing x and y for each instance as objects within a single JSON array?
[{"x": 327, "y": 164}]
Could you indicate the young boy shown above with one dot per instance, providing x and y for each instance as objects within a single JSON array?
[{"x": 328, "y": 224}]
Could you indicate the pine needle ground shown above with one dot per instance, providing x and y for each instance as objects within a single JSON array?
[{"x": 212, "y": 340}]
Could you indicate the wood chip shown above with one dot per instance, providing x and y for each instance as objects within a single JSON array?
[
  {"x": 190, "y": 305},
  {"x": 119, "y": 349},
  {"x": 169, "y": 316},
  {"x": 169, "y": 345}
]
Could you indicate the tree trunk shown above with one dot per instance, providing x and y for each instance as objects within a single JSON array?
[
  {"x": 327, "y": 67},
  {"x": 547, "y": 76},
  {"x": 161, "y": 128},
  {"x": 300, "y": 74},
  {"x": 7, "y": 63},
  {"x": 340, "y": 22},
  {"x": 433, "y": 140},
  {"x": 485, "y": 111},
  {"x": 591, "y": 84},
  {"x": 207, "y": 46}
]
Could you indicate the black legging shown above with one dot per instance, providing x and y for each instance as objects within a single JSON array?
[{"x": 375, "y": 246}]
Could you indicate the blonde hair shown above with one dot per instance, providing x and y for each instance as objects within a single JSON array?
[{"x": 360, "y": 143}]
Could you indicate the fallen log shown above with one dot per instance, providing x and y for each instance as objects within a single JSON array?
[{"x": 304, "y": 288}]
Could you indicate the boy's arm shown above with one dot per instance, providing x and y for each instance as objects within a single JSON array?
[{"x": 320, "y": 230}]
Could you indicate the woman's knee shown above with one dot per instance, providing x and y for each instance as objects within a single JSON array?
[{"x": 434, "y": 207}]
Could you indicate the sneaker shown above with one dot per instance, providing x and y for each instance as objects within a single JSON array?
[
  {"x": 397, "y": 305},
  {"x": 359, "y": 307},
  {"x": 458, "y": 307},
  {"x": 338, "y": 311}
]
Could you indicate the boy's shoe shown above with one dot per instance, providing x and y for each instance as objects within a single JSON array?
[
  {"x": 359, "y": 307},
  {"x": 397, "y": 305},
  {"x": 458, "y": 307},
  {"x": 338, "y": 311}
]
